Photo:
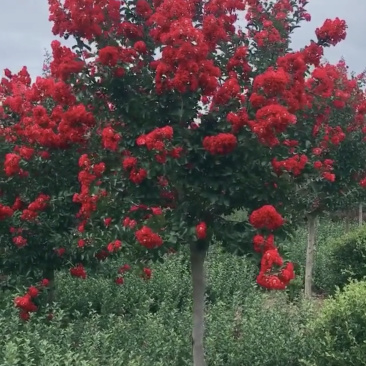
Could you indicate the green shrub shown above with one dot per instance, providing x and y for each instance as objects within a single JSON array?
[
  {"x": 326, "y": 266},
  {"x": 263, "y": 330},
  {"x": 144, "y": 323},
  {"x": 339, "y": 331},
  {"x": 260, "y": 330},
  {"x": 344, "y": 260},
  {"x": 170, "y": 284}
]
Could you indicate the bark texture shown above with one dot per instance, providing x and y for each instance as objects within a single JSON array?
[{"x": 199, "y": 286}]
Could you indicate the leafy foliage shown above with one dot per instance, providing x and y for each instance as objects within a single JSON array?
[
  {"x": 148, "y": 322},
  {"x": 339, "y": 328},
  {"x": 347, "y": 257}
]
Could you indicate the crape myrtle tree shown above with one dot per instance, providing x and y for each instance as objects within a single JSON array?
[
  {"x": 149, "y": 178},
  {"x": 331, "y": 135},
  {"x": 42, "y": 129}
]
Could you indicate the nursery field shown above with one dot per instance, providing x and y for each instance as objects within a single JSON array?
[
  {"x": 95, "y": 321},
  {"x": 178, "y": 189}
]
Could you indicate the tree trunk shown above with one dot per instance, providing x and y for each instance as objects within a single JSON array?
[
  {"x": 310, "y": 256},
  {"x": 50, "y": 275},
  {"x": 198, "y": 281},
  {"x": 347, "y": 222},
  {"x": 360, "y": 214}
]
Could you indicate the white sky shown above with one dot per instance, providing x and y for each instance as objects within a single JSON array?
[{"x": 25, "y": 32}]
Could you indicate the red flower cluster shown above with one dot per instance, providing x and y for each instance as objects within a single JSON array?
[
  {"x": 124, "y": 268},
  {"x": 57, "y": 127},
  {"x": 266, "y": 217},
  {"x": 277, "y": 281},
  {"x": 119, "y": 280},
  {"x": 156, "y": 140},
  {"x": 114, "y": 246},
  {"x": 184, "y": 64},
  {"x": 26, "y": 303},
  {"x": 89, "y": 173},
  {"x": 201, "y": 230},
  {"x": 128, "y": 222},
  {"x": 271, "y": 120},
  {"x": 262, "y": 244},
  {"x": 272, "y": 82},
  {"x": 230, "y": 89},
  {"x": 11, "y": 165},
  {"x": 147, "y": 273},
  {"x": 325, "y": 167},
  {"x": 19, "y": 241},
  {"x": 137, "y": 176},
  {"x": 78, "y": 271},
  {"x": 238, "y": 120},
  {"x": 110, "y": 138},
  {"x": 295, "y": 164},
  {"x": 86, "y": 19},
  {"x": 65, "y": 62},
  {"x": 332, "y": 31},
  {"x": 221, "y": 144},
  {"x": 5, "y": 212},
  {"x": 147, "y": 238},
  {"x": 129, "y": 164},
  {"x": 34, "y": 208}
]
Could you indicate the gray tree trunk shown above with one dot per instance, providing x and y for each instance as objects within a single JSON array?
[
  {"x": 360, "y": 214},
  {"x": 347, "y": 223},
  {"x": 50, "y": 275},
  {"x": 310, "y": 256},
  {"x": 199, "y": 287}
]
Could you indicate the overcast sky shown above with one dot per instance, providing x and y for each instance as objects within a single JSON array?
[{"x": 25, "y": 32}]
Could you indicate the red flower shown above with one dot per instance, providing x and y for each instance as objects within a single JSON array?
[
  {"x": 147, "y": 272},
  {"x": 266, "y": 217},
  {"x": 201, "y": 230},
  {"x": 261, "y": 244},
  {"x": 107, "y": 221},
  {"x": 109, "y": 56},
  {"x": 78, "y": 271},
  {"x": 329, "y": 176},
  {"x": 60, "y": 251},
  {"x": 11, "y": 164},
  {"x": 137, "y": 176},
  {"x": 221, "y": 144},
  {"x": 110, "y": 138},
  {"x": 129, "y": 163},
  {"x": 156, "y": 210},
  {"x": 332, "y": 31},
  {"x": 5, "y": 212},
  {"x": 25, "y": 303},
  {"x": 114, "y": 246},
  {"x": 119, "y": 280},
  {"x": 17, "y": 205},
  {"x": 146, "y": 237},
  {"x": 24, "y": 315},
  {"x": 19, "y": 241},
  {"x": 45, "y": 282},
  {"x": 271, "y": 282},
  {"x": 124, "y": 268},
  {"x": 317, "y": 151},
  {"x": 287, "y": 273},
  {"x": 33, "y": 291},
  {"x": 140, "y": 47}
]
